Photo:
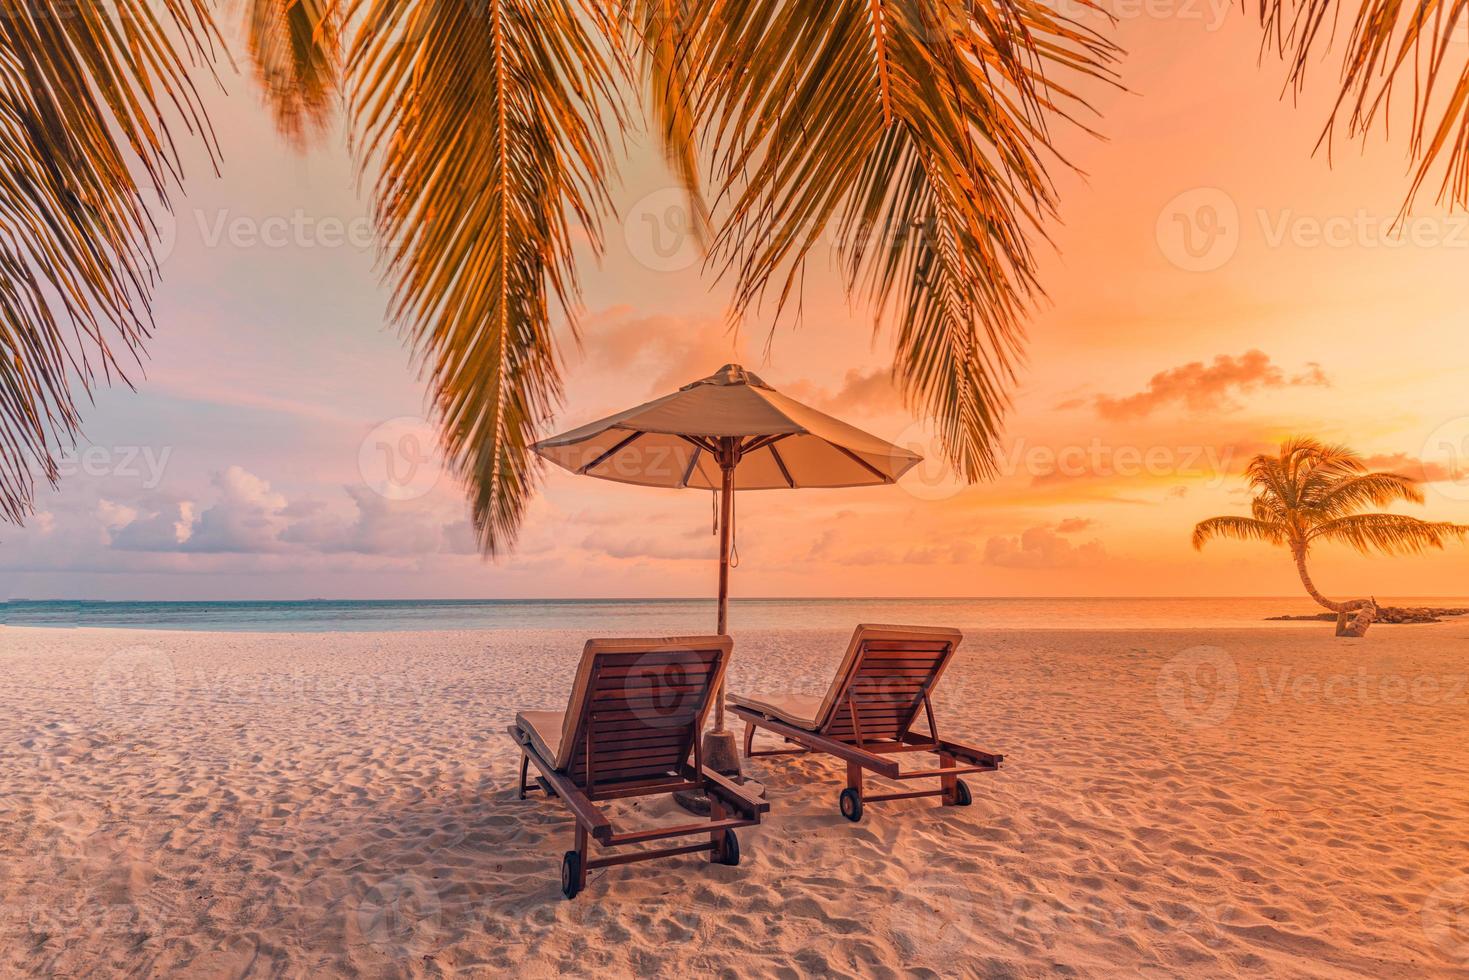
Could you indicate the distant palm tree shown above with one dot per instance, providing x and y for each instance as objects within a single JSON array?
[
  {"x": 913, "y": 135},
  {"x": 1311, "y": 493}
]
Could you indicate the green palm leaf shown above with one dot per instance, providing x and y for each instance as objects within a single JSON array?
[
  {"x": 485, "y": 121},
  {"x": 918, "y": 133},
  {"x": 296, "y": 48},
  {"x": 1353, "y": 493},
  {"x": 1387, "y": 533},
  {"x": 1391, "y": 47},
  {"x": 85, "y": 151},
  {"x": 664, "y": 32},
  {"x": 1239, "y": 528},
  {"x": 1310, "y": 492}
]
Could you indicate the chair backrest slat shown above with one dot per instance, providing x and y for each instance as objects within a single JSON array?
[
  {"x": 885, "y": 674},
  {"x": 643, "y": 703}
]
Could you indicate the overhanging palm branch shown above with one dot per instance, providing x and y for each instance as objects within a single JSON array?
[
  {"x": 663, "y": 32},
  {"x": 296, "y": 48},
  {"x": 1416, "y": 50},
  {"x": 914, "y": 132},
  {"x": 486, "y": 122},
  {"x": 84, "y": 92}
]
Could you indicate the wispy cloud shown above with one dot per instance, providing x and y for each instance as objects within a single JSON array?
[{"x": 1201, "y": 387}]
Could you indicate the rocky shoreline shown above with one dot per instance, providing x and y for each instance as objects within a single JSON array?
[{"x": 1387, "y": 614}]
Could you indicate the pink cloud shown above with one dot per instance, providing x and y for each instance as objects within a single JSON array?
[
  {"x": 1207, "y": 388},
  {"x": 1041, "y": 547},
  {"x": 1419, "y": 469}
]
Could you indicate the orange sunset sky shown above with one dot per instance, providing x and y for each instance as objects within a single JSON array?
[{"x": 1213, "y": 286}]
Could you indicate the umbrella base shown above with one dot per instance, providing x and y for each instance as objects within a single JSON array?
[
  {"x": 696, "y": 801},
  {"x": 721, "y": 753}
]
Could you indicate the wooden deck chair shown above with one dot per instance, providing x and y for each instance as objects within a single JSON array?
[
  {"x": 867, "y": 716},
  {"x": 634, "y": 717}
]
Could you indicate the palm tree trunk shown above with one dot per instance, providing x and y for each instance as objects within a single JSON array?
[{"x": 1300, "y": 554}]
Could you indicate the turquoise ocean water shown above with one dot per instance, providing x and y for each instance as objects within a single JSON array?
[{"x": 665, "y": 616}]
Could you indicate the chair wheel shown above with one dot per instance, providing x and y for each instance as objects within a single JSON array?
[
  {"x": 851, "y": 804},
  {"x": 729, "y": 851},
  {"x": 962, "y": 796},
  {"x": 571, "y": 874}
]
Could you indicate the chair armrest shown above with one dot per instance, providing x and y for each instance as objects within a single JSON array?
[{"x": 734, "y": 793}]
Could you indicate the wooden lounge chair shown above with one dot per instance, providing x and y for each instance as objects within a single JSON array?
[
  {"x": 636, "y": 710},
  {"x": 867, "y": 716}
]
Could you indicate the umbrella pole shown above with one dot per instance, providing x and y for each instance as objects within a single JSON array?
[{"x": 726, "y": 509}]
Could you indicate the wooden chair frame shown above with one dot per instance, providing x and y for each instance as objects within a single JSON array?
[
  {"x": 730, "y": 805},
  {"x": 875, "y": 755}
]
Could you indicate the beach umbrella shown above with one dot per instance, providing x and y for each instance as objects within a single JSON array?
[{"x": 727, "y": 432}]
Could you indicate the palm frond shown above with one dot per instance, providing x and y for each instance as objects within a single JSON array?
[
  {"x": 665, "y": 33},
  {"x": 1388, "y": 533},
  {"x": 1390, "y": 46},
  {"x": 485, "y": 120},
  {"x": 1239, "y": 528},
  {"x": 1353, "y": 493},
  {"x": 918, "y": 131},
  {"x": 1267, "y": 477},
  {"x": 87, "y": 91},
  {"x": 296, "y": 48}
]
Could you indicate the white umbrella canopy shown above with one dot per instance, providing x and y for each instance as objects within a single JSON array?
[
  {"x": 686, "y": 438},
  {"x": 730, "y": 431}
]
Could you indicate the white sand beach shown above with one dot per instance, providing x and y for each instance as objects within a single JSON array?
[{"x": 1264, "y": 801}]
